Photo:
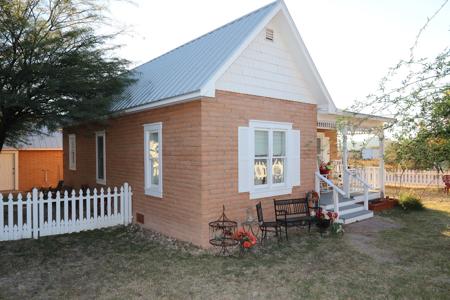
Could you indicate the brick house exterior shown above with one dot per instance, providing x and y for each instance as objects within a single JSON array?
[
  {"x": 200, "y": 172},
  {"x": 202, "y": 123}
]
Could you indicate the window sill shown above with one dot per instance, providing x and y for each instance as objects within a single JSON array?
[
  {"x": 153, "y": 193},
  {"x": 101, "y": 181},
  {"x": 270, "y": 192}
]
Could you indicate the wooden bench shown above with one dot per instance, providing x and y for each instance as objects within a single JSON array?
[{"x": 292, "y": 213}]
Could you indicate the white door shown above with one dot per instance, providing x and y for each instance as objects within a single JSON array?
[{"x": 6, "y": 171}]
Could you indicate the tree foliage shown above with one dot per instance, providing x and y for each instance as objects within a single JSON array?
[
  {"x": 54, "y": 68},
  {"x": 416, "y": 93}
]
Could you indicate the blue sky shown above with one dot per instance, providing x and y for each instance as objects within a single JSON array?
[{"x": 352, "y": 42}]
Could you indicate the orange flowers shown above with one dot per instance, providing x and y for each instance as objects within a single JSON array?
[{"x": 245, "y": 238}]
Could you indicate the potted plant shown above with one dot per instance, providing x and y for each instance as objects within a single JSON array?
[
  {"x": 324, "y": 219},
  {"x": 325, "y": 168}
]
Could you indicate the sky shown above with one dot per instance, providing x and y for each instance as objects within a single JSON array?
[{"x": 352, "y": 42}]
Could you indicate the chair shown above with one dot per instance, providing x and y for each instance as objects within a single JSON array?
[
  {"x": 266, "y": 226},
  {"x": 446, "y": 180}
]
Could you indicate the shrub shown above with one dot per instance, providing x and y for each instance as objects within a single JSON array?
[{"x": 408, "y": 201}]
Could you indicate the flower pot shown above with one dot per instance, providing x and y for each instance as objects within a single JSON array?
[
  {"x": 325, "y": 172},
  {"x": 323, "y": 225}
]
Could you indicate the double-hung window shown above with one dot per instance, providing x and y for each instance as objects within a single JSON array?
[
  {"x": 72, "y": 152},
  {"x": 153, "y": 159},
  {"x": 100, "y": 157},
  {"x": 269, "y": 158}
]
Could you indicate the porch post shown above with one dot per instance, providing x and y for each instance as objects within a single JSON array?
[
  {"x": 345, "y": 177},
  {"x": 381, "y": 174}
]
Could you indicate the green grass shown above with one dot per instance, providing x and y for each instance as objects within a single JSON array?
[{"x": 121, "y": 263}]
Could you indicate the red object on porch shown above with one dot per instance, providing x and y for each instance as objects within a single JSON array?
[{"x": 446, "y": 180}]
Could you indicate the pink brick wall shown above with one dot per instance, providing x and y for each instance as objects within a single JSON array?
[{"x": 199, "y": 159}]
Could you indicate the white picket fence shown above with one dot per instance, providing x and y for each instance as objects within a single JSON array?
[
  {"x": 408, "y": 178},
  {"x": 38, "y": 215}
]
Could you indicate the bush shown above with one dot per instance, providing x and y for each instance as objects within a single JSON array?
[{"x": 409, "y": 201}]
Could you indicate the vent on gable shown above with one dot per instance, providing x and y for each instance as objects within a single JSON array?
[{"x": 269, "y": 34}]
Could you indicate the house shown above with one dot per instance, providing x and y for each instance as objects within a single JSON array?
[
  {"x": 36, "y": 163},
  {"x": 231, "y": 118}
]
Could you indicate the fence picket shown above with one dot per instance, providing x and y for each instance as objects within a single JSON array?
[
  {"x": 18, "y": 233},
  {"x": 35, "y": 214},
  {"x": 73, "y": 220},
  {"x": 88, "y": 209},
  {"x": 42, "y": 228},
  {"x": 130, "y": 211},
  {"x": 49, "y": 212},
  {"x": 108, "y": 197},
  {"x": 42, "y": 215},
  {"x": 2, "y": 227},
  {"x": 122, "y": 206},
  {"x": 115, "y": 201},
  {"x": 102, "y": 203},
  {"x": 28, "y": 215},
  {"x": 80, "y": 206},
  {"x": 58, "y": 213},
  {"x": 125, "y": 193},
  {"x": 95, "y": 203},
  {"x": 10, "y": 216},
  {"x": 66, "y": 212}
]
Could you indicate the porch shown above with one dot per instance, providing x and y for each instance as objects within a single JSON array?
[{"x": 347, "y": 190}]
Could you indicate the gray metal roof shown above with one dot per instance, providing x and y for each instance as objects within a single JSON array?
[
  {"x": 42, "y": 141},
  {"x": 187, "y": 68}
]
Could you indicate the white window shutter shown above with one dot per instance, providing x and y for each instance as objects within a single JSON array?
[
  {"x": 294, "y": 157},
  {"x": 244, "y": 157}
]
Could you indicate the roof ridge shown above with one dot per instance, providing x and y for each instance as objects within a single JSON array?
[{"x": 208, "y": 33}]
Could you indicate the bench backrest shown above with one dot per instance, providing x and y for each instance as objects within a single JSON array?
[{"x": 291, "y": 207}]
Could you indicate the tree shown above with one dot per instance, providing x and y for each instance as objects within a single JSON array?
[
  {"x": 416, "y": 92},
  {"x": 54, "y": 69}
]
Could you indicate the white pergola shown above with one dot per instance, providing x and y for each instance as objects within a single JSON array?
[{"x": 349, "y": 123}]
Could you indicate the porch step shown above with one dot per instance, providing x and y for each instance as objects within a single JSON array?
[
  {"x": 343, "y": 202},
  {"x": 347, "y": 218},
  {"x": 349, "y": 209}
]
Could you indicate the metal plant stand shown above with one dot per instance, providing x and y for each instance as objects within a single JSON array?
[{"x": 221, "y": 234}]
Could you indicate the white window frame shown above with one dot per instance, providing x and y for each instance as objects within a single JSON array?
[
  {"x": 152, "y": 189},
  {"x": 103, "y": 135},
  {"x": 269, "y": 189},
  {"x": 72, "y": 149}
]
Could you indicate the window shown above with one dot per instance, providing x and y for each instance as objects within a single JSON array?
[
  {"x": 153, "y": 159},
  {"x": 269, "y": 158},
  {"x": 72, "y": 152},
  {"x": 100, "y": 157}
]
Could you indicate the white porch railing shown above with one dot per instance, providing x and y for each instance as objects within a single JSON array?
[
  {"x": 407, "y": 178},
  {"x": 357, "y": 185},
  {"x": 37, "y": 214},
  {"x": 336, "y": 190}
]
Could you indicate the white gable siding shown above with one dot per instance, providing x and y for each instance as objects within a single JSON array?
[{"x": 267, "y": 69}]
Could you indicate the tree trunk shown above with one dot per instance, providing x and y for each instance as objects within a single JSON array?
[{"x": 2, "y": 137}]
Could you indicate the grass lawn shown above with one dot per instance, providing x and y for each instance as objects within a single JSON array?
[{"x": 394, "y": 255}]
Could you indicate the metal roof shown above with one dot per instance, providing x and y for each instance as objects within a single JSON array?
[
  {"x": 187, "y": 68},
  {"x": 41, "y": 141}
]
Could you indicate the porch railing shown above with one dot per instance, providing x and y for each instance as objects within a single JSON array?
[
  {"x": 336, "y": 190},
  {"x": 356, "y": 184}
]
